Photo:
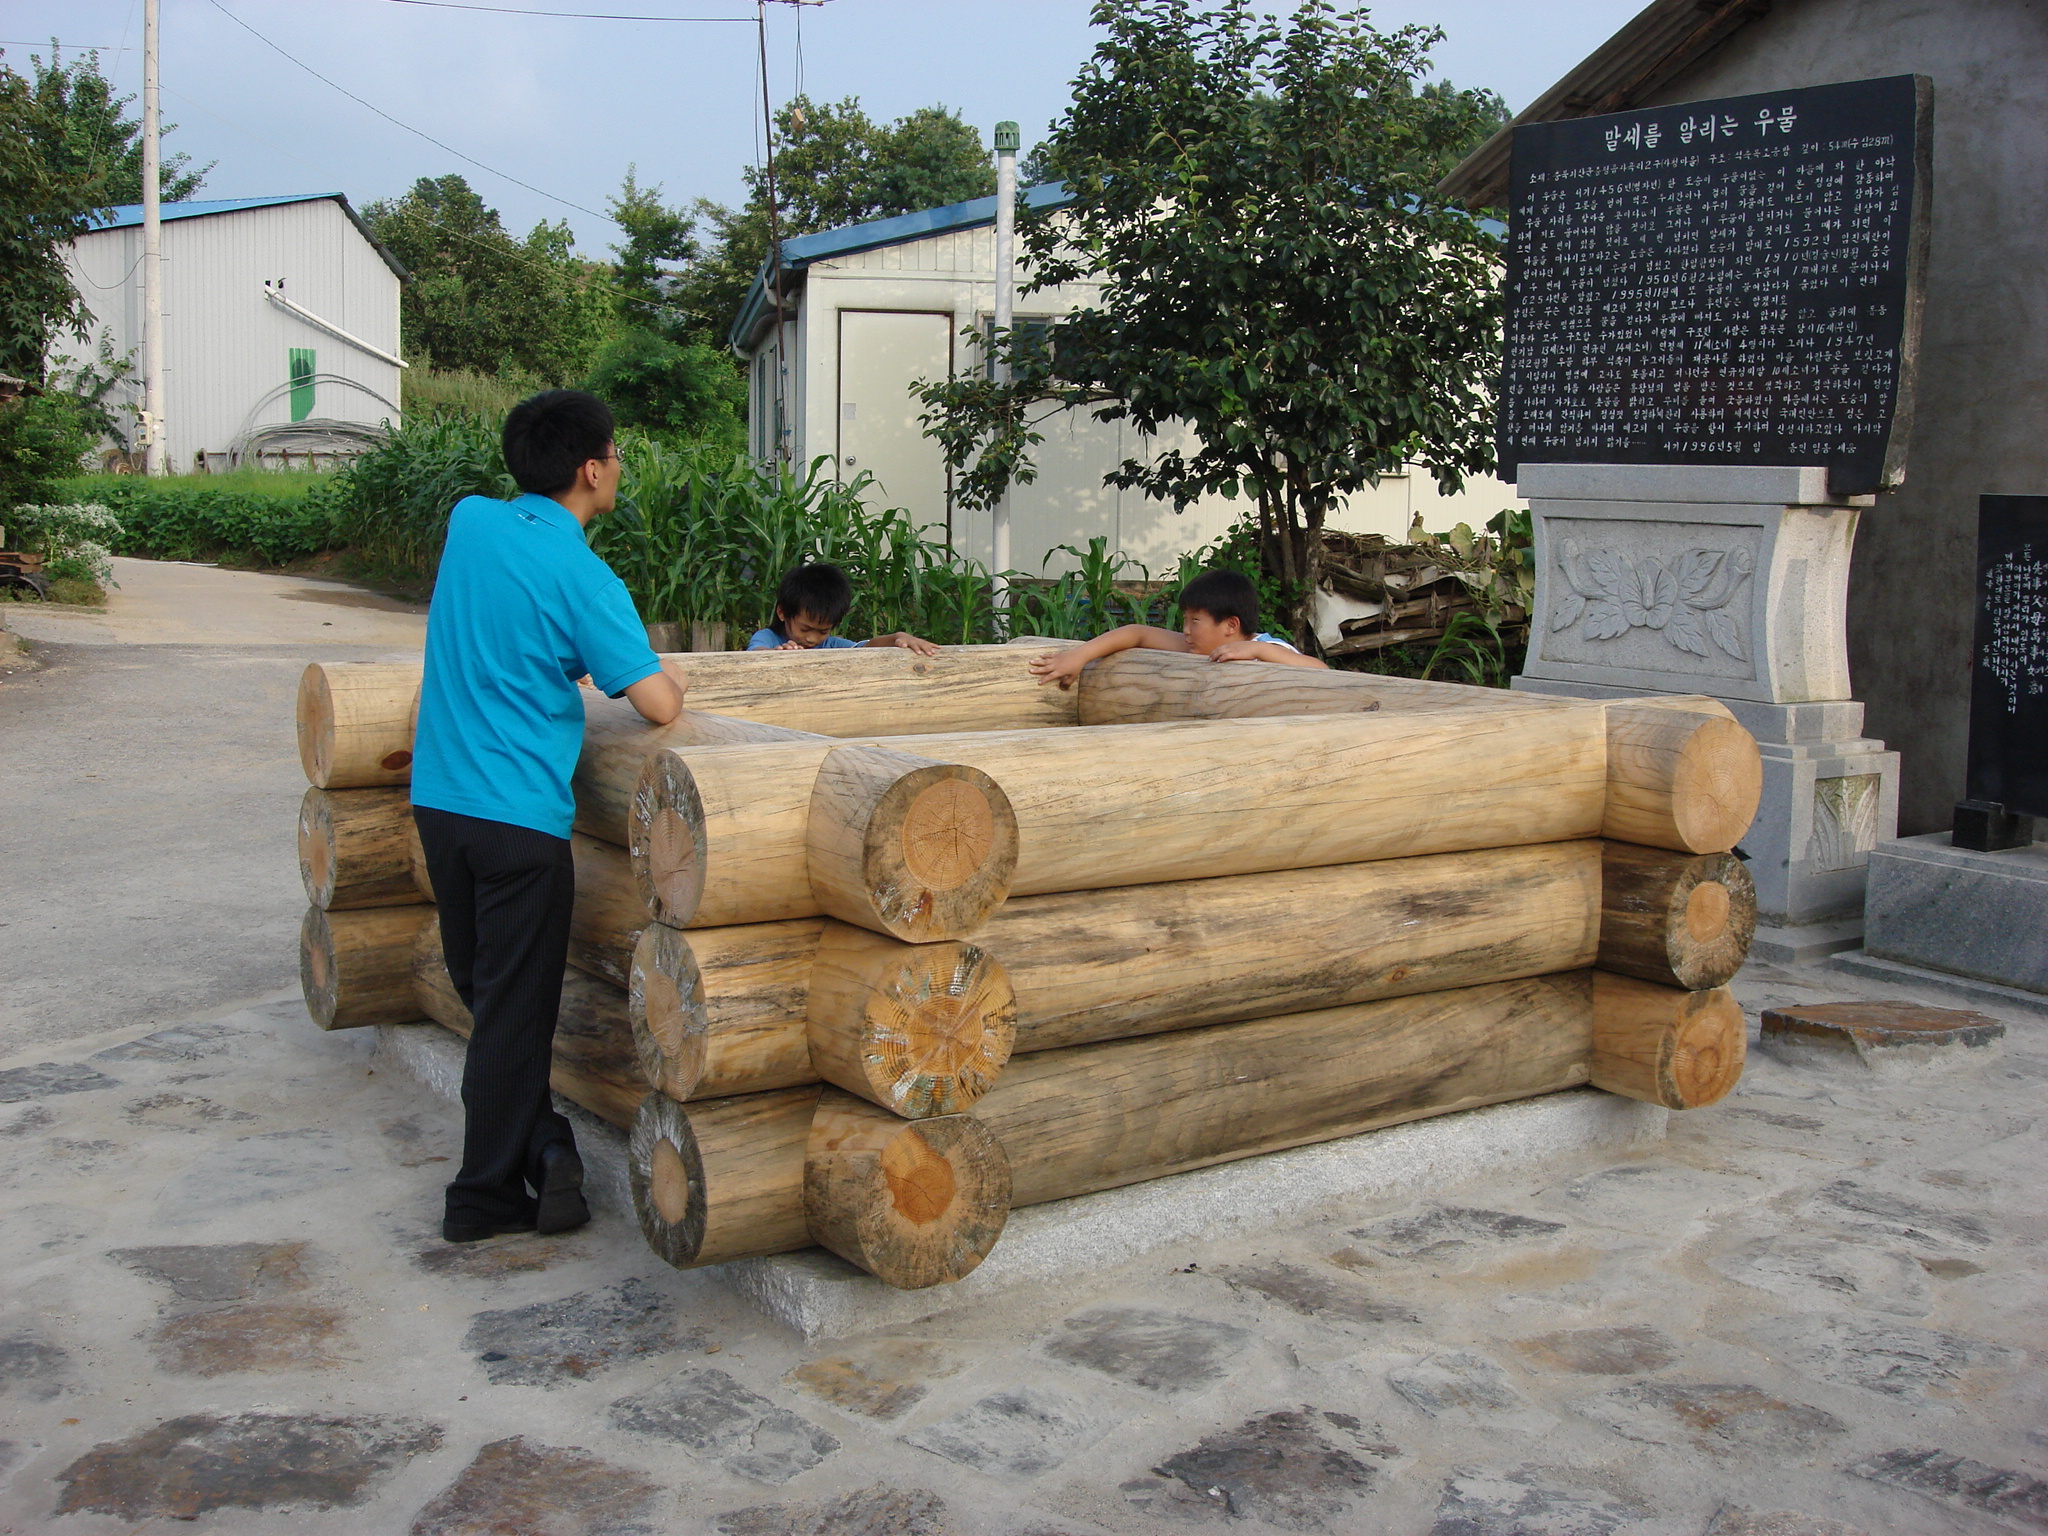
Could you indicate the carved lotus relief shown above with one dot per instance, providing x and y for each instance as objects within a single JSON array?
[{"x": 1685, "y": 599}]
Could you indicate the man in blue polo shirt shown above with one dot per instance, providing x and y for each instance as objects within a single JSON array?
[{"x": 521, "y": 610}]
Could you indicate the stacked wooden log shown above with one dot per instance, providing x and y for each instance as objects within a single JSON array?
[{"x": 868, "y": 961}]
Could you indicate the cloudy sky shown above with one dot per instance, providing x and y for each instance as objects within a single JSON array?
[{"x": 565, "y": 105}]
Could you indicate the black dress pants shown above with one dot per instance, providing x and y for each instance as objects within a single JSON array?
[{"x": 504, "y": 894}]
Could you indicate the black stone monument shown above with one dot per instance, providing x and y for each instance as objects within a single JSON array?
[
  {"x": 1720, "y": 282},
  {"x": 2007, "y": 780}
]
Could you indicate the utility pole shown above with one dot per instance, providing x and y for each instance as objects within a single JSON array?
[
  {"x": 153, "y": 443},
  {"x": 1007, "y": 140}
]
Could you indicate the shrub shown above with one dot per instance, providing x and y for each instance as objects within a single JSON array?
[
  {"x": 43, "y": 438},
  {"x": 75, "y": 540},
  {"x": 392, "y": 504},
  {"x": 681, "y": 388},
  {"x": 275, "y": 518}
]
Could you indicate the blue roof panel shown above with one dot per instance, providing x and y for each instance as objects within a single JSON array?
[
  {"x": 801, "y": 250},
  {"x": 129, "y": 215}
]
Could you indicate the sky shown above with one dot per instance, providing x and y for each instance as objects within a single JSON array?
[{"x": 558, "y": 108}]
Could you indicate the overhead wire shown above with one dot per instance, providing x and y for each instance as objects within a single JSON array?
[
  {"x": 509, "y": 10},
  {"x": 408, "y": 127}
]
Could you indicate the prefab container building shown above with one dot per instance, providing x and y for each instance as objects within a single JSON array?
[
  {"x": 858, "y": 315},
  {"x": 280, "y": 327}
]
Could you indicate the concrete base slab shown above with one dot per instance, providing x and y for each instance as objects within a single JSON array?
[
  {"x": 1858, "y": 962},
  {"x": 1807, "y": 944},
  {"x": 818, "y": 1295},
  {"x": 1983, "y": 916}
]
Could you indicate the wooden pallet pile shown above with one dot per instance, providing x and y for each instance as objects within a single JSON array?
[{"x": 871, "y": 949}]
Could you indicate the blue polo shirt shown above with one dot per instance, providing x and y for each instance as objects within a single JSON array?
[{"x": 522, "y": 609}]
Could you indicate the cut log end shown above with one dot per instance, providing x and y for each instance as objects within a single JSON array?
[
  {"x": 1717, "y": 787},
  {"x": 316, "y": 847},
  {"x": 914, "y": 1203},
  {"x": 666, "y": 1002},
  {"x": 1683, "y": 1050},
  {"x": 920, "y": 1029},
  {"x": 668, "y": 844},
  {"x": 355, "y": 968},
  {"x": 316, "y": 725},
  {"x": 667, "y": 1175},
  {"x": 1672, "y": 918},
  {"x": 920, "y": 850},
  {"x": 1682, "y": 774}
]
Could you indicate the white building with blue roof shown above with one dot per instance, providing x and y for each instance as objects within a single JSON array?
[
  {"x": 280, "y": 324},
  {"x": 868, "y": 310}
]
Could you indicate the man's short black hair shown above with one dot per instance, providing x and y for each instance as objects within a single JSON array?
[
  {"x": 820, "y": 593},
  {"x": 551, "y": 435},
  {"x": 1224, "y": 595}
]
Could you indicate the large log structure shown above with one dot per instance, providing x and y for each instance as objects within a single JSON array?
[{"x": 869, "y": 949}]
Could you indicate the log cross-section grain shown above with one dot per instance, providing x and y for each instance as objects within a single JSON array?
[
  {"x": 920, "y": 1029},
  {"x": 905, "y": 846},
  {"x": 355, "y": 848},
  {"x": 1683, "y": 1050},
  {"x": 1680, "y": 920},
  {"x": 355, "y": 967},
  {"x": 1681, "y": 774},
  {"x": 355, "y": 723},
  {"x": 914, "y": 1203},
  {"x": 723, "y": 1178}
]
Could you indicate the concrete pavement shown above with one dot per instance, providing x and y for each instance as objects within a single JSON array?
[{"x": 1814, "y": 1311}]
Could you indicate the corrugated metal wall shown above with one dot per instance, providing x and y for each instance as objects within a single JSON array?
[{"x": 227, "y": 349}]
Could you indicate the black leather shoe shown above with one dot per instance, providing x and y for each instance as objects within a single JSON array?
[
  {"x": 474, "y": 1229},
  {"x": 562, "y": 1207}
]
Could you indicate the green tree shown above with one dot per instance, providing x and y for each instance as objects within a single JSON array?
[
  {"x": 834, "y": 165},
  {"x": 87, "y": 134},
  {"x": 43, "y": 207},
  {"x": 1257, "y": 199},
  {"x": 480, "y": 300},
  {"x": 660, "y": 240}
]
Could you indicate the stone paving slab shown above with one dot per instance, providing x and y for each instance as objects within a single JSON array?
[{"x": 1810, "y": 1311}]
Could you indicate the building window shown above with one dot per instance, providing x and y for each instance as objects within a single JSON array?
[{"x": 301, "y": 369}]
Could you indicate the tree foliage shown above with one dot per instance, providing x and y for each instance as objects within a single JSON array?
[
  {"x": 1257, "y": 199},
  {"x": 87, "y": 134},
  {"x": 478, "y": 299},
  {"x": 43, "y": 207},
  {"x": 834, "y": 165}
]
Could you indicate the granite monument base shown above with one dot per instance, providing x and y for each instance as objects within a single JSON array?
[
  {"x": 1974, "y": 923},
  {"x": 1830, "y": 795},
  {"x": 1729, "y": 582}
]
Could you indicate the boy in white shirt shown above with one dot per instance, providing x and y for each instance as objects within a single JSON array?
[{"x": 1219, "y": 620}]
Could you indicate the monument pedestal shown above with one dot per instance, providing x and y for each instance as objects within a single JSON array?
[
  {"x": 1730, "y": 582},
  {"x": 1974, "y": 924}
]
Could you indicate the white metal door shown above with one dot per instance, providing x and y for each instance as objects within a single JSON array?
[{"x": 882, "y": 355}]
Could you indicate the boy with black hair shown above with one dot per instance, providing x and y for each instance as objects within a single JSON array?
[
  {"x": 1219, "y": 619},
  {"x": 522, "y": 608},
  {"x": 808, "y": 607}
]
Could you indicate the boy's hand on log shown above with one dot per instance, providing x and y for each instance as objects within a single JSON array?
[
  {"x": 1062, "y": 667},
  {"x": 911, "y": 643},
  {"x": 789, "y": 645},
  {"x": 1239, "y": 650}
]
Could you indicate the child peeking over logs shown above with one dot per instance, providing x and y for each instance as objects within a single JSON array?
[
  {"x": 1219, "y": 619},
  {"x": 809, "y": 605}
]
